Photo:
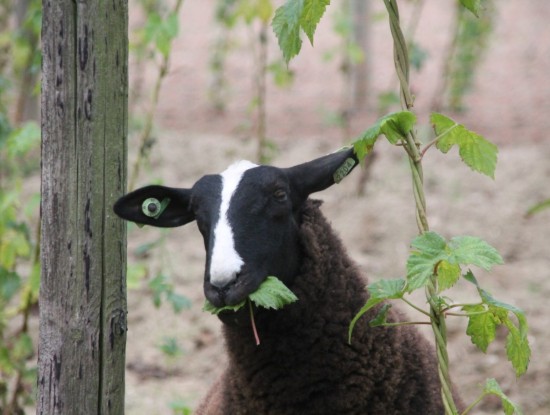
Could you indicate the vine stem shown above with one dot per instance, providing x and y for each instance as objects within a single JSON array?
[{"x": 412, "y": 147}]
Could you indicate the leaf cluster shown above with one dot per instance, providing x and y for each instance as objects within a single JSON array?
[{"x": 431, "y": 255}]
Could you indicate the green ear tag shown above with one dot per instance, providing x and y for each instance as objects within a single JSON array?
[
  {"x": 153, "y": 208},
  {"x": 343, "y": 170}
]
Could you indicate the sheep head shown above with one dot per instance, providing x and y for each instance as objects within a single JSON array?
[{"x": 248, "y": 216}]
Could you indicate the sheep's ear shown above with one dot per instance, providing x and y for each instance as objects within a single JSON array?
[
  {"x": 318, "y": 174},
  {"x": 159, "y": 206}
]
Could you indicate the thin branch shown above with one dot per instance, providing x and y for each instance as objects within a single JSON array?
[
  {"x": 474, "y": 403},
  {"x": 415, "y": 307},
  {"x": 436, "y": 139}
]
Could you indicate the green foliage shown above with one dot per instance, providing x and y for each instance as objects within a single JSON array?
[
  {"x": 478, "y": 153},
  {"x": 379, "y": 291},
  {"x": 469, "y": 43},
  {"x": 292, "y": 18},
  {"x": 180, "y": 407},
  {"x": 473, "y": 5},
  {"x": 394, "y": 126},
  {"x": 161, "y": 287},
  {"x": 493, "y": 388},
  {"x": 538, "y": 207},
  {"x": 484, "y": 319},
  {"x": 272, "y": 293},
  {"x": 19, "y": 259},
  {"x": 161, "y": 31},
  {"x": 435, "y": 263},
  {"x": 430, "y": 251},
  {"x": 170, "y": 347}
]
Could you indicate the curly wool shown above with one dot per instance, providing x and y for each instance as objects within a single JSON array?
[{"x": 304, "y": 364}]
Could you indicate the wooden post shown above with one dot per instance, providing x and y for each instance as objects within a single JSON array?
[{"x": 83, "y": 249}]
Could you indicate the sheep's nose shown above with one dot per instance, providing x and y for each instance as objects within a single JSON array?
[{"x": 223, "y": 282}]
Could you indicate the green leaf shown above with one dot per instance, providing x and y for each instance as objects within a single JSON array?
[
  {"x": 387, "y": 289},
  {"x": 379, "y": 291},
  {"x": 178, "y": 302},
  {"x": 447, "y": 275},
  {"x": 286, "y": 26},
  {"x": 473, "y": 5},
  {"x": 311, "y": 15},
  {"x": 428, "y": 251},
  {"x": 272, "y": 294},
  {"x": 492, "y": 387},
  {"x": 545, "y": 204},
  {"x": 23, "y": 139},
  {"x": 478, "y": 153},
  {"x": 161, "y": 31},
  {"x": 517, "y": 343},
  {"x": 22, "y": 348},
  {"x": 469, "y": 250},
  {"x": 159, "y": 285},
  {"x": 10, "y": 283},
  {"x": 291, "y": 18},
  {"x": 381, "y": 318},
  {"x": 394, "y": 126},
  {"x": 212, "y": 309},
  {"x": 517, "y": 349},
  {"x": 470, "y": 277},
  {"x": 170, "y": 347},
  {"x": 482, "y": 325}
]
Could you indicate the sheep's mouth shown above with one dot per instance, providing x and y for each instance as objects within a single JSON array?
[{"x": 234, "y": 293}]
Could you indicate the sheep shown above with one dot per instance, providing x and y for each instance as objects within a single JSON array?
[{"x": 258, "y": 221}]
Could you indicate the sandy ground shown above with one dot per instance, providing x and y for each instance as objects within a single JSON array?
[{"x": 509, "y": 105}]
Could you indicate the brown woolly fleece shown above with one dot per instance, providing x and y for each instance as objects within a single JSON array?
[{"x": 304, "y": 364}]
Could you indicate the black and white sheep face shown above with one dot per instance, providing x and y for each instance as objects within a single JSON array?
[
  {"x": 249, "y": 230},
  {"x": 248, "y": 216}
]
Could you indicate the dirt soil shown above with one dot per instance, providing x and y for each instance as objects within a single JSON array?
[{"x": 509, "y": 105}]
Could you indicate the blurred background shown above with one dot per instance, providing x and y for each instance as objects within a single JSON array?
[{"x": 208, "y": 86}]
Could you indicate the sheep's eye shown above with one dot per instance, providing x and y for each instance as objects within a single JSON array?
[{"x": 279, "y": 195}]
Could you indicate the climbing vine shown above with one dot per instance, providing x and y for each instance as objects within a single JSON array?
[{"x": 435, "y": 264}]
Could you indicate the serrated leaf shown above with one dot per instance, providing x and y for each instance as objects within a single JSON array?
[
  {"x": 499, "y": 305},
  {"x": 397, "y": 125},
  {"x": 387, "y": 289},
  {"x": 272, "y": 293},
  {"x": 428, "y": 251},
  {"x": 517, "y": 349},
  {"x": 394, "y": 126},
  {"x": 379, "y": 291},
  {"x": 286, "y": 26},
  {"x": 476, "y": 152},
  {"x": 470, "y": 277},
  {"x": 311, "y": 15},
  {"x": 212, "y": 309},
  {"x": 492, "y": 387},
  {"x": 381, "y": 317},
  {"x": 447, "y": 275},
  {"x": 469, "y": 250},
  {"x": 473, "y": 5},
  {"x": 517, "y": 343},
  {"x": 481, "y": 325}
]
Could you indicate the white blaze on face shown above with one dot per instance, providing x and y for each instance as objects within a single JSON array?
[{"x": 226, "y": 263}]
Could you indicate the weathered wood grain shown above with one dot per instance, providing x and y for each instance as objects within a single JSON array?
[{"x": 84, "y": 132}]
